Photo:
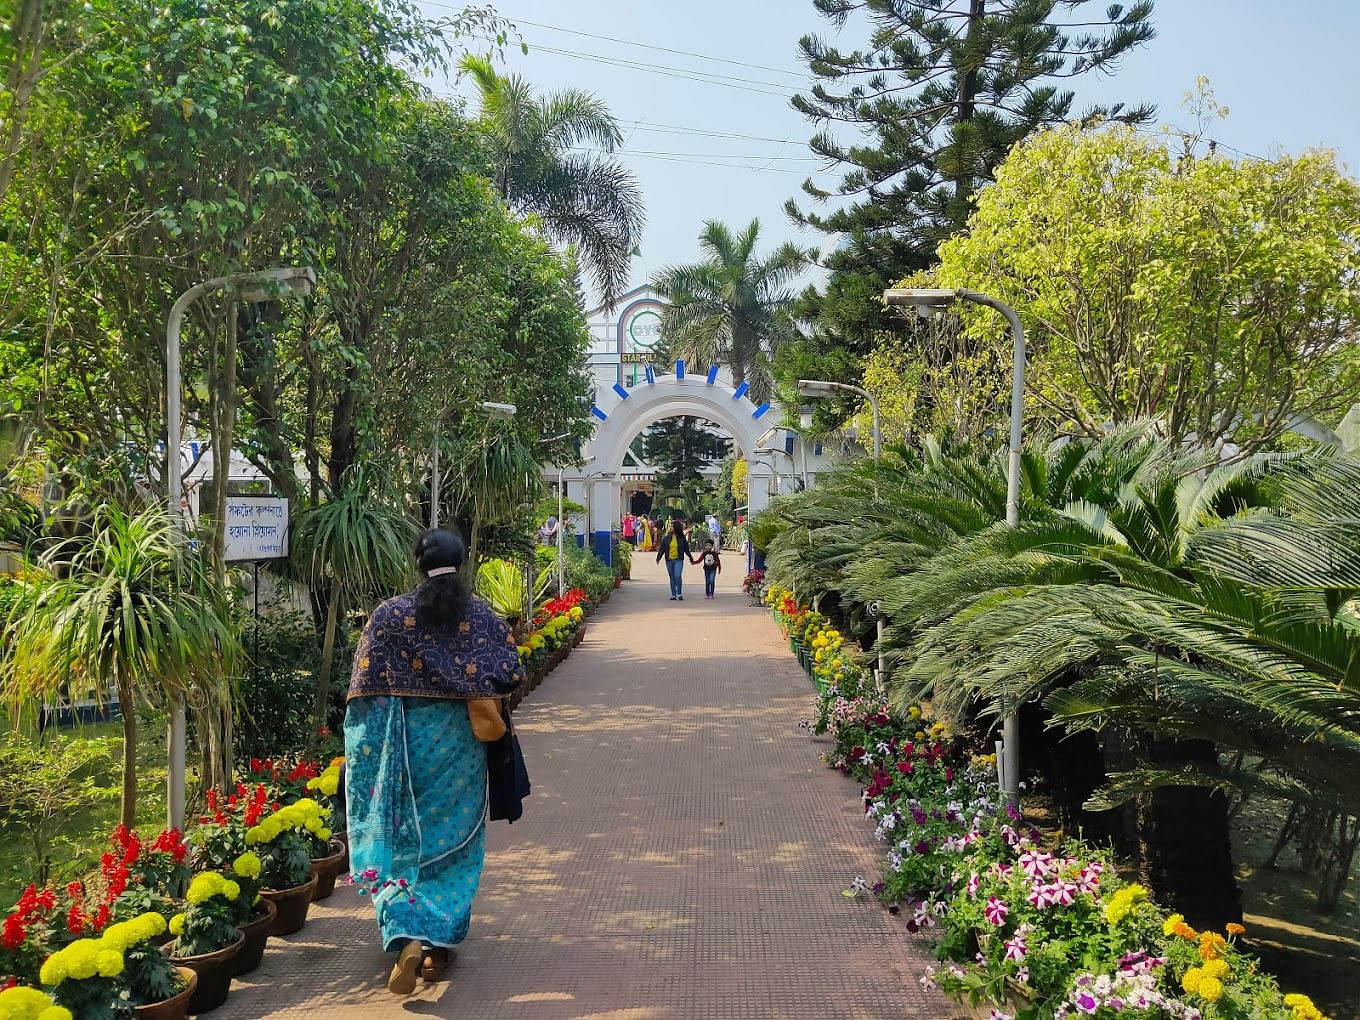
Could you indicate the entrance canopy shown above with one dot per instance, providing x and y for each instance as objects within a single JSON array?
[{"x": 622, "y": 413}]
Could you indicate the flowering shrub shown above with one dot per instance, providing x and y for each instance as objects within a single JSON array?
[
  {"x": 137, "y": 877},
  {"x": 208, "y": 923},
  {"x": 87, "y": 976},
  {"x": 21, "y": 1003},
  {"x": 1049, "y": 932},
  {"x": 283, "y": 841},
  {"x": 325, "y": 789},
  {"x": 754, "y": 584}
]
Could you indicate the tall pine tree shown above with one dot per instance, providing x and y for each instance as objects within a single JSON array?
[
  {"x": 679, "y": 448},
  {"x": 933, "y": 103}
]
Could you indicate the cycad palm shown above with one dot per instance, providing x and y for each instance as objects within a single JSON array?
[
  {"x": 732, "y": 308},
  {"x": 551, "y": 161}
]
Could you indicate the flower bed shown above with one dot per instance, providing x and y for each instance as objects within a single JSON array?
[
  {"x": 1039, "y": 932},
  {"x": 556, "y": 628}
]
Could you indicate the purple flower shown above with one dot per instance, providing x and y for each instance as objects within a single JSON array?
[
  {"x": 996, "y": 911},
  {"x": 1086, "y": 1002}
]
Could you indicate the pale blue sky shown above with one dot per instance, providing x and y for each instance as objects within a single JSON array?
[{"x": 1288, "y": 72}]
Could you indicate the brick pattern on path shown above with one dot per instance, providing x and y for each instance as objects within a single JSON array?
[{"x": 682, "y": 856}]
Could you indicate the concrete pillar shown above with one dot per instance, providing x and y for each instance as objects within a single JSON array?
[{"x": 605, "y": 512}]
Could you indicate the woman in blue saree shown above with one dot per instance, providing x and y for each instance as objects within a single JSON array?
[{"x": 429, "y": 671}]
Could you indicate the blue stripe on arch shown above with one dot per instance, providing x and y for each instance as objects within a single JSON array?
[
  {"x": 595, "y": 410},
  {"x": 759, "y": 411},
  {"x": 621, "y": 390},
  {"x": 651, "y": 376},
  {"x": 740, "y": 391},
  {"x": 712, "y": 374},
  {"x": 680, "y": 368}
]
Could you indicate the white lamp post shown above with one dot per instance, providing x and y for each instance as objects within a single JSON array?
[
  {"x": 252, "y": 288},
  {"x": 926, "y": 301},
  {"x": 817, "y": 389},
  {"x": 496, "y": 412}
]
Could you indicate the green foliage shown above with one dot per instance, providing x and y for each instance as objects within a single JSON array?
[
  {"x": 1215, "y": 296},
  {"x": 150, "y": 975},
  {"x": 47, "y": 790},
  {"x": 679, "y": 448},
  {"x": 286, "y": 862},
  {"x": 583, "y": 198},
  {"x": 731, "y": 308},
  {"x": 126, "y": 609},
  {"x": 948, "y": 93},
  {"x": 502, "y": 584},
  {"x": 275, "y": 698}
]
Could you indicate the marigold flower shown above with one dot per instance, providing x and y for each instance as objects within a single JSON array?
[
  {"x": 1211, "y": 945},
  {"x": 1234, "y": 929}
]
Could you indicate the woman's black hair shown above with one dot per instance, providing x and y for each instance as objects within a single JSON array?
[{"x": 442, "y": 600}]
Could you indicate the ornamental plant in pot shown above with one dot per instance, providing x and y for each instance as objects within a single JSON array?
[
  {"x": 328, "y": 853},
  {"x": 281, "y": 842},
  {"x": 206, "y": 938},
  {"x": 220, "y": 846},
  {"x": 88, "y": 976},
  {"x": 23, "y": 1003},
  {"x": 156, "y": 988}
]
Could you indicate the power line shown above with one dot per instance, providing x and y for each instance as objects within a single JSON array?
[
  {"x": 641, "y": 45},
  {"x": 802, "y": 75},
  {"x": 691, "y": 74},
  {"x": 699, "y": 155}
]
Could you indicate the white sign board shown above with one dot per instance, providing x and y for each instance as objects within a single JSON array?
[{"x": 257, "y": 528}]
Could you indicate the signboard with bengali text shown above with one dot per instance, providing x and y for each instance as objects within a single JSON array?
[{"x": 257, "y": 528}]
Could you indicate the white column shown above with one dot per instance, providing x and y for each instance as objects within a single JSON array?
[{"x": 604, "y": 516}]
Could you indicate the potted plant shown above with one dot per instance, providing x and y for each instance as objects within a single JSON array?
[
  {"x": 207, "y": 939},
  {"x": 328, "y": 853},
  {"x": 139, "y": 877},
  {"x": 156, "y": 987},
  {"x": 220, "y": 846},
  {"x": 22, "y": 1001},
  {"x": 280, "y": 840},
  {"x": 87, "y": 976}
]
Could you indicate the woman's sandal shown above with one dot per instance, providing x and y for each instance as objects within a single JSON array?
[
  {"x": 402, "y": 980},
  {"x": 435, "y": 963}
]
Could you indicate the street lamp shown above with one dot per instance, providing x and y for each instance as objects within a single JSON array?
[
  {"x": 561, "y": 531},
  {"x": 761, "y": 447},
  {"x": 927, "y": 301},
  {"x": 493, "y": 411},
  {"x": 253, "y": 288},
  {"x": 817, "y": 389}
]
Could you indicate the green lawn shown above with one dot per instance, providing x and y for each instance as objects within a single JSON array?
[{"x": 79, "y": 837}]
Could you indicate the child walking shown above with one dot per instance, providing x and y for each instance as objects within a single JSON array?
[{"x": 712, "y": 561}]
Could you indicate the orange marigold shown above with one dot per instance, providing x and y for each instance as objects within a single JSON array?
[
  {"x": 1211, "y": 944},
  {"x": 1182, "y": 930},
  {"x": 1234, "y": 929}
]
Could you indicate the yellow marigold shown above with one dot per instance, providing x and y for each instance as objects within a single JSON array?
[
  {"x": 247, "y": 865},
  {"x": 1191, "y": 979},
  {"x": 23, "y": 1003},
  {"x": 177, "y": 925},
  {"x": 1210, "y": 989},
  {"x": 1121, "y": 903},
  {"x": 1169, "y": 925},
  {"x": 1303, "y": 1007},
  {"x": 913, "y": 712},
  {"x": 110, "y": 963},
  {"x": 1217, "y": 969}
]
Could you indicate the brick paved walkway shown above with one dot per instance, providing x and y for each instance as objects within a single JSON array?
[{"x": 682, "y": 855}]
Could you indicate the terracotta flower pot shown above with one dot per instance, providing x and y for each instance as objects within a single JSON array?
[
  {"x": 327, "y": 870},
  {"x": 177, "y": 1006},
  {"x": 214, "y": 976},
  {"x": 292, "y": 907},
  {"x": 256, "y": 931}
]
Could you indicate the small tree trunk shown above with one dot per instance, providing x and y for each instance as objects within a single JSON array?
[
  {"x": 128, "y": 814},
  {"x": 323, "y": 677},
  {"x": 1185, "y": 841}
]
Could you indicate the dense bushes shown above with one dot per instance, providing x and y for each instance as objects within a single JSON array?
[{"x": 277, "y": 689}]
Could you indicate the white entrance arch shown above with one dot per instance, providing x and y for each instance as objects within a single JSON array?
[{"x": 621, "y": 413}]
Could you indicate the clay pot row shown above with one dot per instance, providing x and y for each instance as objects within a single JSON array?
[{"x": 281, "y": 912}]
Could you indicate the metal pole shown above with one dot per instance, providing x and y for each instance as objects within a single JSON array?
[
  {"x": 561, "y": 558},
  {"x": 434, "y": 484},
  {"x": 175, "y": 780},
  {"x": 1010, "y": 725}
]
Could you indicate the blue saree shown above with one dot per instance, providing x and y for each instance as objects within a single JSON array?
[
  {"x": 415, "y": 780},
  {"x": 415, "y": 775}
]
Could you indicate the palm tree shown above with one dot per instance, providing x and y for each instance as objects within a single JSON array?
[
  {"x": 355, "y": 547},
  {"x": 551, "y": 160},
  {"x": 124, "y": 608},
  {"x": 732, "y": 308}
]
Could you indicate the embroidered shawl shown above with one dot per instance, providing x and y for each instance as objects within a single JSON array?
[{"x": 396, "y": 656}]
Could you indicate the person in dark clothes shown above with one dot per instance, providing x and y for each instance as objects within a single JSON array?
[
  {"x": 712, "y": 561},
  {"x": 674, "y": 549}
]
